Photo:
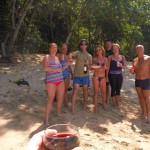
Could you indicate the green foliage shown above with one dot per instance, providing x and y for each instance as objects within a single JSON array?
[
  {"x": 4, "y": 17},
  {"x": 126, "y": 22}
]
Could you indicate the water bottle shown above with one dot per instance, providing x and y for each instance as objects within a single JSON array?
[{"x": 85, "y": 67}]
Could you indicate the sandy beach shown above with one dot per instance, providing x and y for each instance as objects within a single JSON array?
[{"x": 22, "y": 111}]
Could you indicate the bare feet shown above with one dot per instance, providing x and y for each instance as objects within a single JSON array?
[
  {"x": 143, "y": 116},
  {"x": 46, "y": 123},
  {"x": 59, "y": 115},
  {"x": 68, "y": 105},
  {"x": 84, "y": 107},
  {"x": 105, "y": 107},
  {"x": 116, "y": 106},
  {"x": 95, "y": 109}
]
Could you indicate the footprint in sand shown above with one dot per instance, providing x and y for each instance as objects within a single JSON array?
[{"x": 88, "y": 146}]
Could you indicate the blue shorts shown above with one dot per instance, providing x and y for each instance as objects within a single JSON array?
[
  {"x": 143, "y": 84},
  {"x": 66, "y": 75},
  {"x": 81, "y": 80}
]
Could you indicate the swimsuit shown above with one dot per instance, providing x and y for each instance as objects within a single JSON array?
[
  {"x": 54, "y": 77},
  {"x": 65, "y": 72},
  {"x": 99, "y": 78},
  {"x": 103, "y": 63},
  {"x": 143, "y": 84}
]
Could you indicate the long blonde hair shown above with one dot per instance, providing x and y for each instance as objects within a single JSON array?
[{"x": 102, "y": 48}]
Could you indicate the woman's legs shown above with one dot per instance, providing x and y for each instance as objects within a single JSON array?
[
  {"x": 102, "y": 85},
  {"x": 51, "y": 90},
  {"x": 60, "y": 96},
  {"x": 66, "y": 81},
  {"x": 146, "y": 94},
  {"x": 112, "y": 80},
  {"x": 74, "y": 96},
  {"x": 95, "y": 87},
  {"x": 118, "y": 88}
]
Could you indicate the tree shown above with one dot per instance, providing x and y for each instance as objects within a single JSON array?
[
  {"x": 124, "y": 21},
  {"x": 16, "y": 22}
]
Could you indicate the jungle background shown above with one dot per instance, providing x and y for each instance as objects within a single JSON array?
[
  {"x": 26, "y": 29},
  {"x": 28, "y": 26}
]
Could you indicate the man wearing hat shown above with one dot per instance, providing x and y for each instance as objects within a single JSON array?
[{"x": 81, "y": 76}]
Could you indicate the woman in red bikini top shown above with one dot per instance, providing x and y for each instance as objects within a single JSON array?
[
  {"x": 54, "y": 80},
  {"x": 100, "y": 65}
]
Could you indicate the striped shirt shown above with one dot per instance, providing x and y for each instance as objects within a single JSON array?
[{"x": 53, "y": 77}]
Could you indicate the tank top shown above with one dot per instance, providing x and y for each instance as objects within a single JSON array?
[
  {"x": 113, "y": 67},
  {"x": 65, "y": 72},
  {"x": 53, "y": 77}
]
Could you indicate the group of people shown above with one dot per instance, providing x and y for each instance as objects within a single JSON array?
[{"x": 107, "y": 64}]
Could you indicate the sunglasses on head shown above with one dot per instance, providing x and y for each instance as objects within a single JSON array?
[{"x": 83, "y": 44}]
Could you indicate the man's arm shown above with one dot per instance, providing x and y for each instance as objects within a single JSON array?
[
  {"x": 132, "y": 69},
  {"x": 90, "y": 62},
  {"x": 73, "y": 55}
]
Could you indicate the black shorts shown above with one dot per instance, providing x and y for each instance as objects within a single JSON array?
[{"x": 143, "y": 84}]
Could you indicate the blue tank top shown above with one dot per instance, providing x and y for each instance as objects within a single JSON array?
[
  {"x": 113, "y": 67},
  {"x": 66, "y": 72}
]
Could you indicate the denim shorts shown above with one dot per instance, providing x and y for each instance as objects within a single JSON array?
[{"x": 82, "y": 80}]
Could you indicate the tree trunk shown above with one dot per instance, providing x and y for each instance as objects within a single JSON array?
[
  {"x": 78, "y": 30},
  {"x": 51, "y": 20},
  {"x": 3, "y": 45},
  {"x": 71, "y": 30},
  {"x": 13, "y": 15},
  {"x": 76, "y": 21},
  {"x": 89, "y": 34},
  {"x": 3, "y": 49},
  {"x": 16, "y": 30},
  {"x": 27, "y": 29}
]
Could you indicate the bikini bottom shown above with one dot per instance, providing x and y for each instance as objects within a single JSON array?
[
  {"x": 99, "y": 78},
  {"x": 56, "y": 83}
]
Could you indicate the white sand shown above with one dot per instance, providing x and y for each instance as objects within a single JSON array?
[{"x": 22, "y": 111}]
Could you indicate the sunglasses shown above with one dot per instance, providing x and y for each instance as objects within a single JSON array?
[
  {"x": 83, "y": 44},
  {"x": 98, "y": 50}
]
